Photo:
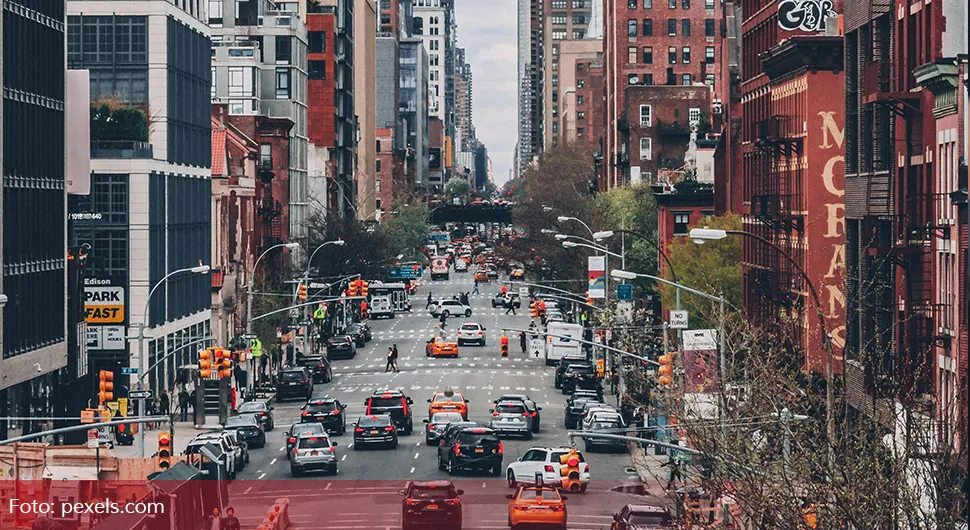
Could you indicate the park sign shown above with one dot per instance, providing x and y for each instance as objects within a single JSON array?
[{"x": 104, "y": 313}]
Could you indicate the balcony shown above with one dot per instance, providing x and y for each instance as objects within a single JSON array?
[{"x": 122, "y": 149}]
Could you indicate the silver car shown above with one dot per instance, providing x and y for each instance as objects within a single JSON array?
[
  {"x": 313, "y": 452},
  {"x": 510, "y": 418}
]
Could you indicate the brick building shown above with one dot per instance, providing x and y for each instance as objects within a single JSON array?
[
  {"x": 388, "y": 183},
  {"x": 727, "y": 104},
  {"x": 662, "y": 42},
  {"x": 589, "y": 99},
  {"x": 678, "y": 209},
  {"x": 575, "y": 56},
  {"x": 562, "y": 21}
]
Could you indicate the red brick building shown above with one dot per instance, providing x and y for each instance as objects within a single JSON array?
[
  {"x": 321, "y": 57},
  {"x": 678, "y": 210},
  {"x": 654, "y": 42},
  {"x": 728, "y": 162},
  {"x": 589, "y": 101}
]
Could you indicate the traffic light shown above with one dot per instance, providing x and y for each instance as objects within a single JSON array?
[
  {"x": 354, "y": 288},
  {"x": 505, "y": 346},
  {"x": 220, "y": 356},
  {"x": 106, "y": 386},
  {"x": 301, "y": 293},
  {"x": 225, "y": 366},
  {"x": 570, "y": 471},
  {"x": 163, "y": 460},
  {"x": 205, "y": 363},
  {"x": 589, "y": 299},
  {"x": 533, "y": 309},
  {"x": 363, "y": 288},
  {"x": 666, "y": 370}
]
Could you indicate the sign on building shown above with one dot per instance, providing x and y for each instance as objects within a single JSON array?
[
  {"x": 104, "y": 313},
  {"x": 804, "y": 15}
]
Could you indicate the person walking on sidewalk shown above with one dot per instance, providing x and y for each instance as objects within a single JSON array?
[
  {"x": 164, "y": 404},
  {"x": 230, "y": 522},
  {"x": 214, "y": 521},
  {"x": 184, "y": 404}
]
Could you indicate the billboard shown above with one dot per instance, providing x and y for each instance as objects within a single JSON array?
[
  {"x": 700, "y": 361},
  {"x": 597, "y": 277},
  {"x": 435, "y": 158},
  {"x": 104, "y": 313}
]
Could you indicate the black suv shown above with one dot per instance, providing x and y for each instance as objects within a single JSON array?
[
  {"x": 319, "y": 366},
  {"x": 573, "y": 372},
  {"x": 473, "y": 447},
  {"x": 574, "y": 409},
  {"x": 341, "y": 346},
  {"x": 564, "y": 363},
  {"x": 328, "y": 412},
  {"x": 431, "y": 504},
  {"x": 358, "y": 333},
  {"x": 393, "y": 403},
  {"x": 294, "y": 382}
]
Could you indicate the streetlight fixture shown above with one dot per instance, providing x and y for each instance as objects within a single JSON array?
[
  {"x": 564, "y": 218},
  {"x": 573, "y": 244},
  {"x": 198, "y": 269},
  {"x": 701, "y": 235},
  {"x": 249, "y": 284},
  {"x": 549, "y": 231}
]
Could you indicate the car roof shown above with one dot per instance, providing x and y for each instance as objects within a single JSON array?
[
  {"x": 387, "y": 393},
  {"x": 375, "y": 417},
  {"x": 514, "y": 397},
  {"x": 314, "y": 424},
  {"x": 509, "y": 402},
  {"x": 320, "y": 400},
  {"x": 432, "y": 484},
  {"x": 294, "y": 369},
  {"x": 647, "y": 508}
]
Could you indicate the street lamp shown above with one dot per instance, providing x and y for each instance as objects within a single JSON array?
[
  {"x": 573, "y": 244},
  {"x": 249, "y": 284},
  {"x": 338, "y": 242},
  {"x": 564, "y": 218},
  {"x": 549, "y": 231},
  {"x": 701, "y": 235},
  {"x": 606, "y": 234},
  {"x": 199, "y": 269}
]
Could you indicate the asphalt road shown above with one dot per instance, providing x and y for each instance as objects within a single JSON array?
[{"x": 372, "y": 478}]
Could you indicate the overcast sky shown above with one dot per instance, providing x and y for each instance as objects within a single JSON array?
[{"x": 487, "y": 31}]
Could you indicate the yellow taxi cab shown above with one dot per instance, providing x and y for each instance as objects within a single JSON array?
[
  {"x": 441, "y": 347},
  {"x": 537, "y": 505},
  {"x": 448, "y": 401},
  {"x": 517, "y": 274},
  {"x": 481, "y": 276}
]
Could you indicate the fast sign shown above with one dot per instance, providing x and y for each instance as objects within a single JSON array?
[{"x": 104, "y": 305}]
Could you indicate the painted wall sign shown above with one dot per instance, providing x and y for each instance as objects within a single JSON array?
[{"x": 804, "y": 15}]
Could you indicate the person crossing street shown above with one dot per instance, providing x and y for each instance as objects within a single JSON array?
[
  {"x": 475, "y": 289},
  {"x": 430, "y": 301}
]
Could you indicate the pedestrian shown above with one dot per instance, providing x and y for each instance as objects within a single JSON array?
[
  {"x": 430, "y": 301},
  {"x": 153, "y": 411},
  {"x": 522, "y": 341},
  {"x": 184, "y": 404},
  {"x": 390, "y": 361},
  {"x": 511, "y": 307},
  {"x": 214, "y": 521},
  {"x": 444, "y": 320},
  {"x": 475, "y": 288},
  {"x": 192, "y": 400},
  {"x": 394, "y": 357},
  {"x": 230, "y": 522},
  {"x": 164, "y": 404}
]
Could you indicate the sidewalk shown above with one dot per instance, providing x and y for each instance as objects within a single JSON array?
[{"x": 649, "y": 469}]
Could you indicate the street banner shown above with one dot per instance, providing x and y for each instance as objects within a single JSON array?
[
  {"x": 597, "y": 277},
  {"x": 700, "y": 361}
]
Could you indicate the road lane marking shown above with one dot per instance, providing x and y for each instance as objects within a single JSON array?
[
  {"x": 261, "y": 477},
  {"x": 341, "y": 459},
  {"x": 331, "y": 483},
  {"x": 416, "y": 455},
  {"x": 272, "y": 462},
  {"x": 248, "y": 490},
  {"x": 412, "y": 470},
  {"x": 282, "y": 448}
]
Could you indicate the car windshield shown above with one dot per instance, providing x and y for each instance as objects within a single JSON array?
[
  {"x": 606, "y": 425},
  {"x": 314, "y": 442},
  {"x": 247, "y": 420},
  {"x": 470, "y": 327},
  {"x": 510, "y": 408},
  {"x": 474, "y": 438},
  {"x": 580, "y": 369},
  {"x": 374, "y": 421},
  {"x": 339, "y": 340},
  {"x": 385, "y": 402},
  {"x": 252, "y": 406},
  {"x": 305, "y": 428},
  {"x": 446, "y": 417},
  {"x": 320, "y": 406},
  {"x": 424, "y": 492},
  {"x": 533, "y": 494},
  {"x": 648, "y": 519},
  {"x": 291, "y": 376},
  {"x": 455, "y": 398}
]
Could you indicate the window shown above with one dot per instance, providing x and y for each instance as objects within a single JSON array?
[
  {"x": 317, "y": 69},
  {"x": 377, "y": 183},
  {"x": 648, "y": 27},
  {"x": 631, "y": 4},
  {"x": 215, "y": 12},
  {"x": 558, "y": 19},
  {"x": 559, "y": 34},
  {"x": 385, "y": 18},
  {"x": 646, "y": 115},
  {"x": 648, "y": 55},
  {"x": 578, "y": 34},
  {"x": 646, "y": 148},
  {"x": 694, "y": 115},
  {"x": 671, "y": 77},
  {"x": 685, "y": 4},
  {"x": 317, "y": 42},
  {"x": 685, "y": 79},
  {"x": 559, "y": 4},
  {"x": 708, "y": 4},
  {"x": 631, "y": 27},
  {"x": 378, "y": 169},
  {"x": 709, "y": 79},
  {"x": 681, "y": 223},
  {"x": 385, "y": 5},
  {"x": 631, "y": 54},
  {"x": 212, "y": 86},
  {"x": 632, "y": 79},
  {"x": 265, "y": 156},
  {"x": 685, "y": 55},
  {"x": 283, "y": 48},
  {"x": 709, "y": 54},
  {"x": 580, "y": 100},
  {"x": 708, "y": 27},
  {"x": 672, "y": 55},
  {"x": 672, "y": 27},
  {"x": 580, "y": 115},
  {"x": 648, "y": 79},
  {"x": 580, "y": 132},
  {"x": 685, "y": 27},
  {"x": 282, "y": 83},
  {"x": 378, "y": 146},
  {"x": 671, "y": 4},
  {"x": 241, "y": 81},
  {"x": 648, "y": 4},
  {"x": 580, "y": 83}
]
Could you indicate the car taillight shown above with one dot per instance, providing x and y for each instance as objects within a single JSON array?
[
  {"x": 534, "y": 414},
  {"x": 559, "y": 508},
  {"x": 452, "y": 502},
  {"x": 292, "y": 440},
  {"x": 495, "y": 414},
  {"x": 332, "y": 450},
  {"x": 412, "y": 502},
  {"x": 430, "y": 427},
  {"x": 334, "y": 412},
  {"x": 389, "y": 429},
  {"x": 549, "y": 469},
  {"x": 526, "y": 414},
  {"x": 501, "y": 449},
  {"x": 522, "y": 507},
  {"x": 358, "y": 429},
  {"x": 457, "y": 448},
  {"x": 305, "y": 413},
  {"x": 262, "y": 414}
]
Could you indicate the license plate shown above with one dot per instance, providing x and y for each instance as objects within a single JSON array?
[
  {"x": 314, "y": 453},
  {"x": 432, "y": 506},
  {"x": 479, "y": 450},
  {"x": 373, "y": 432}
]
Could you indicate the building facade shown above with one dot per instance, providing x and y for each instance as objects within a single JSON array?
[
  {"x": 414, "y": 85},
  {"x": 365, "y": 106},
  {"x": 563, "y": 20},
  {"x": 575, "y": 57}
]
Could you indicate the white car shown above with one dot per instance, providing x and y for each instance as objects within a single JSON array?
[
  {"x": 544, "y": 461},
  {"x": 461, "y": 266},
  {"x": 471, "y": 332},
  {"x": 607, "y": 416},
  {"x": 232, "y": 451},
  {"x": 450, "y": 308}
]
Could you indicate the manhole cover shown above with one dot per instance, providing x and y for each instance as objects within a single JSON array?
[
  {"x": 632, "y": 489},
  {"x": 631, "y": 470}
]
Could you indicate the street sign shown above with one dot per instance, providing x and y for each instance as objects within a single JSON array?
[
  {"x": 129, "y": 370},
  {"x": 678, "y": 319},
  {"x": 140, "y": 394},
  {"x": 93, "y": 436},
  {"x": 624, "y": 291}
]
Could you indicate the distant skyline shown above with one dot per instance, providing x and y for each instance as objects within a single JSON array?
[{"x": 487, "y": 32}]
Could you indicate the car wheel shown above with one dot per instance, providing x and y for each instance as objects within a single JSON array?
[
  {"x": 510, "y": 477},
  {"x": 394, "y": 444},
  {"x": 461, "y": 343},
  {"x": 441, "y": 465},
  {"x": 468, "y": 312},
  {"x": 493, "y": 304},
  {"x": 446, "y": 313},
  {"x": 294, "y": 471},
  {"x": 528, "y": 435},
  {"x": 582, "y": 488},
  {"x": 535, "y": 427},
  {"x": 558, "y": 385},
  {"x": 410, "y": 428}
]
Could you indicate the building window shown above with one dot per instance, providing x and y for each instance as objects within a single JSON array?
[
  {"x": 266, "y": 156},
  {"x": 694, "y": 115},
  {"x": 671, "y": 27},
  {"x": 215, "y": 12},
  {"x": 559, "y": 34},
  {"x": 648, "y": 55},
  {"x": 317, "y": 69},
  {"x": 631, "y": 27},
  {"x": 578, "y": 34},
  {"x": 681, "y": 223},
  {"x": 685, "y": 27},
  {"x": 672, "y": 55},
  {"x": 631, "y": 54},
  {"x": 283, "y": 48},
  {"x": 709, "y": 79},
  {"x": 646, "y": 148},
  {"x": 580, "y": 115},
  {"x": 646, "y": 115},
  {"x": 648, "y": 4},
  {"x": 377, "y": 184},
  {"x": 708, "y": 27},
  {"x": 282, "y": 83},
  {"x": 580, "y": 83},
  {"x": 378, "y": 169},
  {"x": 671, "y": 4},
  {"x": 580, "y": 132},
  {"x": 648, "y": 27},
  {"x": 685, "y": 4},
  {"x": 317, "y": 42},
  {"x": 709, "y": 54},
  {"x": 685, "y": 55},
  {"x": 631, "y": 4},
  {"x": 632, "y": 79},
  {"x": 579, "y": 18},
  {"x": 708, "y": 4},
  {"x": 558, "y": 19},
  {"x": 241, "y": 81},
  {"x": 580, "y": 100},
  {"x": 648, "y": 79},
  {"x": 212, "y": 86},
  {"x": 559, "y": 4},
  {"x": 685, "y": 79}
]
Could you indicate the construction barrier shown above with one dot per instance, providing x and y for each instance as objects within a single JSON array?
[{"x": 278, "y": 516}]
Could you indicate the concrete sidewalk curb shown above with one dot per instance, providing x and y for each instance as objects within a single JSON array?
[{"x": 648, "y": 467}]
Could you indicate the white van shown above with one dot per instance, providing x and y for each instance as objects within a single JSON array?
[
  {"x": 562, "y": 344},
  {"x": 381, "y": 306},
  {"x": 439, "y": 268}
]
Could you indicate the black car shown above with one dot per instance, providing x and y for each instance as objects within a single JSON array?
[
  {"x": 395, "y": 404},
  {"x": 296, "y": 430},
  {"x": 574, "y": 409},
  {"x": 467, "y": 448},
  {"x": 434, "y": 504},
  {"x": 635, "y": 516},
  {"x": 341, "y": 346},
  {"x": 530, "y": 407},
  {"x": 564, "y": 363},
  {"x": 319, "y": 367},
  {"x": 294, "y": 382},
  {"x": 437, "y": 425},
  {"x": 573, "y": 372},
  {"x": 328, "y": 412},
  {"x": 358, "y": 333},
  {"x": 248, "y": 429},
  {"x": 263, "y": 412},
  {"x": 607, "y": 427},
  {"x": 375, "y": 430}
]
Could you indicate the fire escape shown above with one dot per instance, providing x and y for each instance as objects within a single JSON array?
[{"x": 269, "y": 210}]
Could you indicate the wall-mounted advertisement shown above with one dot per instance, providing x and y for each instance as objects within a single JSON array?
[
  {"x": 597, "y": 277},
  {"x": 104, "y": 313},
  {"x": 700, "y": 361},
  {"x": 804, "y": 15}
]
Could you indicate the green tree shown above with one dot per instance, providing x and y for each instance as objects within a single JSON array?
[
  {"x": 407, "y": 230},
  {"x": 457, "y": 187},
  {"x": 714, "y": 267},
  {"x": 630, "y": 208}
]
